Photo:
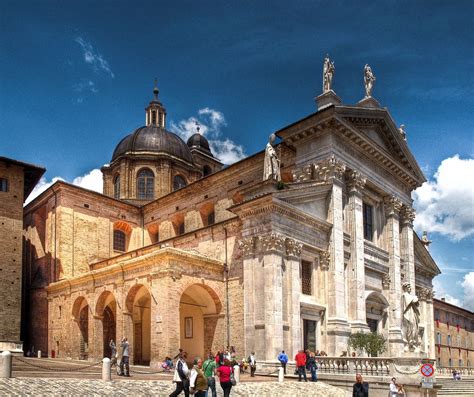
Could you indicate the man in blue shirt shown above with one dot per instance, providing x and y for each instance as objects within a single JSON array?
[{"x": 283, "y": 358}]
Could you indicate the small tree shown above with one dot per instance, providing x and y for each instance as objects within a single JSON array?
[{"x": 372, "y": 342}]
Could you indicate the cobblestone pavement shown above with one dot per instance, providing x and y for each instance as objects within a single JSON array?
[{"x": 94, "y": 387}]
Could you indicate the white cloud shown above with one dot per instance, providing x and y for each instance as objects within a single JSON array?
[
  {"x": 468, "y": 285},
  {"x": 94, "y": 58},
  {"x": 91, "y": 181},
  {"x": 86, "y": 85},
  {"x": 211, "y": 123},
  {"x": 440, "y": 292},
  {"x": 446, "y": 204}
]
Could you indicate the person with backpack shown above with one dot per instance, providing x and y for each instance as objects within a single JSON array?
[
  {"x": 283, "y": 358},
  {"x": 209, "y": 368},
  {"x": 180, "y": 377}
]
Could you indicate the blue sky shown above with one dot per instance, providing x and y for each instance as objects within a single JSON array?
[{"x": 76, "y": 76}]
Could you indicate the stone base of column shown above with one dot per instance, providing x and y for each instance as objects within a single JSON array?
[
  {"x": 13, "y": 347},
  {"x": 396, "y": 342},
  {"x": 359, "y": 326},
  {"x": 338, "y": 331}
]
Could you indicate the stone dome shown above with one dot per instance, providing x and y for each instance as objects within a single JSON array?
[
  {"x": 199, "y": 142},
  {"x": 153, "y": 139}
]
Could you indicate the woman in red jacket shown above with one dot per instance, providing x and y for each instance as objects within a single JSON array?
[{"x": 224, "y": 373}]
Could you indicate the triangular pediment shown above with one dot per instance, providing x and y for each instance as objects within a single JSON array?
[{"x": 380, "y": 134}]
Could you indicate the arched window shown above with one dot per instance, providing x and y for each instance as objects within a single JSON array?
[
  {"x": 117, "y": 187},
  {"x": 145, "y": 185},
  {"x": 178, "y": 182},
  {"x": 3, "y": 185},
  {"x": 119, "y": 240},
  {"x": 206, "y": 170}
]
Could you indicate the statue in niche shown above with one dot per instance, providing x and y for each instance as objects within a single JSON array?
[
  {"x": 369, "y": 80},
  {"x": 411, "y": 317},
  {"x": 271, "y": 165},
  {"x": 328, "y": 74}
]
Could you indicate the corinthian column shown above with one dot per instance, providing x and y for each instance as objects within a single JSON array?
[
  {"x": 392, "y": 210},
  {"x": 407, "y": 216},
  {"x": 357, "y": 315},
  {"x": 332, "y": 172}
]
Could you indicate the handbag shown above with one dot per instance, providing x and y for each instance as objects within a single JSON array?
[{"x": 232, "y": 379}]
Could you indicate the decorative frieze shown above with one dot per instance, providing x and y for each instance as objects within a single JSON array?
[
  {"x": 325, "y": 171},
  {"x": 324, "y": 259},
  {"x": 304, "y": 173},
  {"x": 355, "y": 181},
  {"x": 392, "y": 205},
  {"x": 407, "y": 215}
]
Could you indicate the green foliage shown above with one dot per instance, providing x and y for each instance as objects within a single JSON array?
[
  {"x": 281, "y": 185},
  {"x": 373, "y": 343}
]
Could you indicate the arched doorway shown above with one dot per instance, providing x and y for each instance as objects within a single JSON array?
[
  {"x": 199, "y": 308},
  {"x": 106, "y": 309},
  {"x": 80, "y": 313},
  {"x": 139, "y": 306},
  {"x": 376, "y": 311}
]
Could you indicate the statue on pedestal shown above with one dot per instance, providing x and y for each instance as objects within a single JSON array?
[
  {"x": 271, "y": 165},
  {"x": 402, "y": 131},
  {"x": 369, "y": 80},
  {"x": 411, "y": 317},
  {"x": 328, "y": 73}
]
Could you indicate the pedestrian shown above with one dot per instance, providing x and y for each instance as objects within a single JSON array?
[
  {"x": 393, "y": 388},
  {"x": 113, "y": 355},
  {"x": 124, "y": 362},
  {"x": 400, "y": 390},
  {"x": 253, "y": 364},
  {"x": 300, "y": 359},
  {"x": 312, "y": 367},
  {"x": 180, "y": 377},
  {"x": 209, "y": 368},
  {"x": 225, "y": 372},
  {"x": 283, "y": 358},
  {"x": 360, "y": 388},
  {"x": 197, "y": 380}
]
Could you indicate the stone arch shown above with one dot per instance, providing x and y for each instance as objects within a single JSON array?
[
  {"x": 106, "y": 313},
  {"x": 201, "y": 322},
  {"x": 376, "y": 305},
  {"x": 138, "y": 304},
  {"x": 80, "y": 333}
]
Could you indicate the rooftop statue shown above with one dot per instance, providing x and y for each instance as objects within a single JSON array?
[
  {"x": 271, "y": 165},
  {"x": 369, "y": 80},
  {"x": 328, "y": 74},
  {"x": 411, "y": 317}
]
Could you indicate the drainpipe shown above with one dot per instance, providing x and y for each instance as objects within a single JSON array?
[{"x": 226, "y": 270}]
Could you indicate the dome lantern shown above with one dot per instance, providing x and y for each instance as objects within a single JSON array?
[{"x": 155, "y": 113}]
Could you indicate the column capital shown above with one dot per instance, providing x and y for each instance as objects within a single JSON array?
[
  {"x": 324, "y": 259},
  {"x": 293, "y": 247},
  {"x": 272, "y": 242},
  {"x": 386, "y": 281},
  {"x": 330, "y": 170},
  {"x": 407, "y": 215},
  {"x": 355, "y": 181},
  {"x": 392, "y": 205},
  {"x": 247, "y": 246},
  {"x": 425, "y": 294}
]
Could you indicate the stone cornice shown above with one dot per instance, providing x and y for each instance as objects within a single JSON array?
[{"x": 160, "y": 263}]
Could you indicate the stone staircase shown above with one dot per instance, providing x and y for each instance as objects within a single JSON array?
[{"x": 452, "y": 388}]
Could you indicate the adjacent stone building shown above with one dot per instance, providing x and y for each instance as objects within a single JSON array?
[
  {"x": 17, "y": 180},
  {"x": 181, "y": 252},
  {"x": 454, "y": 335}
]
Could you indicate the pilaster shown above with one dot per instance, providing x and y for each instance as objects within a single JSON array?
[
  {"x": 407, "y": 216},
  {"x": 357, "y": 307},
  {"x": 392, "y": 210}
]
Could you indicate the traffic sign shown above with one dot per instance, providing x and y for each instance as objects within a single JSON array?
[
  {"x": 426, "y": 383},
  {"x": 427, "y": 370}
]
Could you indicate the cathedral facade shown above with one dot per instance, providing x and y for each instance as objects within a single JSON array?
[{"x": 181, "y": 252}]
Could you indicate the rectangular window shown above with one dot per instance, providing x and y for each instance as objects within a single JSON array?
[
  {"x": 181, "y": 229},
  {"x": 3, "y": 185},
  {"x": 368, "y": 222},
  {"x": 309, "y": 334},
  {"x": 211, "y": 218},
  {"x": 119, "y": 241},
  {"x": 306, "y": 275},
  {"x": 438, "y": 338}
]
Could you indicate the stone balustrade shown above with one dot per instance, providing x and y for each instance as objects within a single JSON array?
[
  {"x": 375, "y": 366},
  {"x": 449, "y": 370}
]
